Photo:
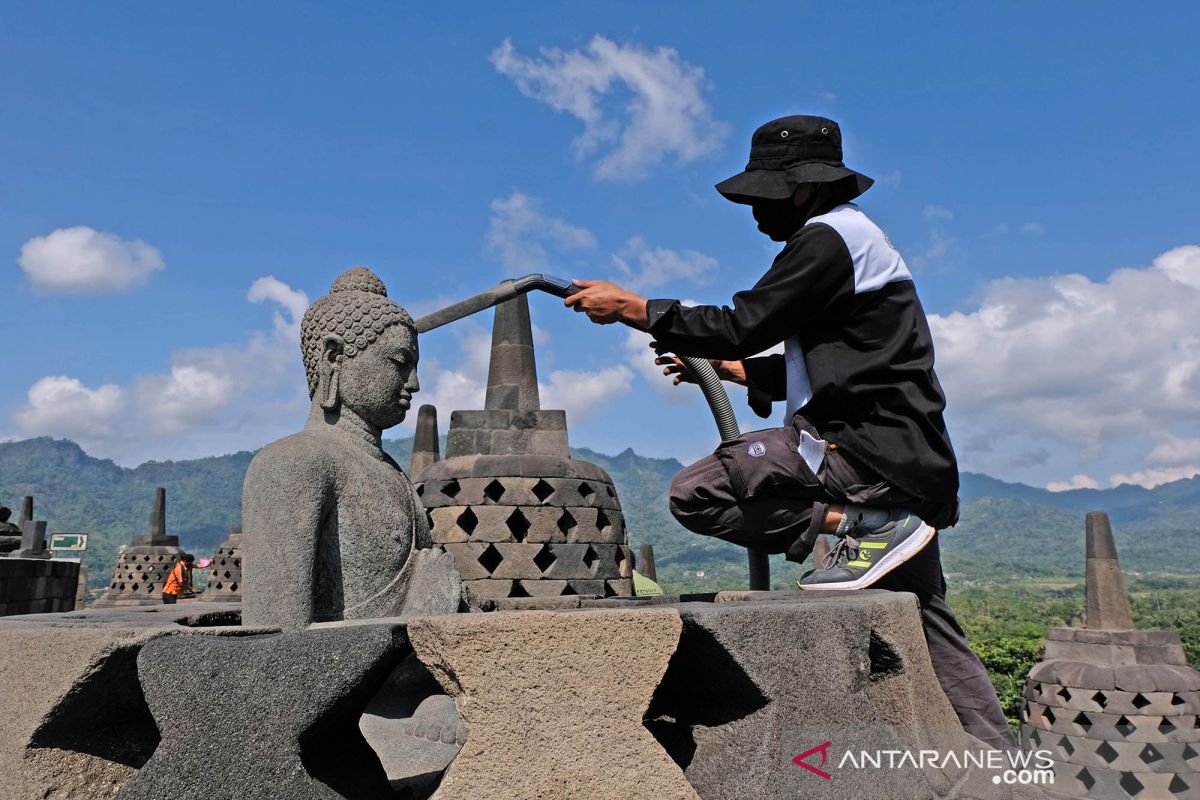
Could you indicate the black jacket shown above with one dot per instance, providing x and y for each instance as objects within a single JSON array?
[{"x": 859, "y": 362}]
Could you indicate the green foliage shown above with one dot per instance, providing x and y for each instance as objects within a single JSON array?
[
  {"x": 1006, "y": 624},
  {"x": 74, "y": 492}
]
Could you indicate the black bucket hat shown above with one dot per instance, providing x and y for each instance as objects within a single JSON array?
[{"x": 789, "y": 151}]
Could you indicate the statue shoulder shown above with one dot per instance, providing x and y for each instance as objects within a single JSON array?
[{"x": 298, "y": 454}]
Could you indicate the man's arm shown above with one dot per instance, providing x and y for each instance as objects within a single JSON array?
[{"x": 812, "y": 271}]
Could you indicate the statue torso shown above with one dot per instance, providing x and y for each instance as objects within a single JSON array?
[{"x": 371, "y": 525}]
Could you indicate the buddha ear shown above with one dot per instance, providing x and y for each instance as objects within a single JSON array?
[{"x": 327, "y": 372}]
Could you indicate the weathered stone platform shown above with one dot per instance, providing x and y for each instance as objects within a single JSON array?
[{"x": 615, "y": 698}]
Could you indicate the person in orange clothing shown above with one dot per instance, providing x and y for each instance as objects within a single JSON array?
[{"x": 180, "y": 580}]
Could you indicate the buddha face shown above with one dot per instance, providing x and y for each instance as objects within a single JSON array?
[{"x": 379, "y": 382}]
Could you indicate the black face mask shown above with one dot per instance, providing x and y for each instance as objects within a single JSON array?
[{"x": 779, "y": 219}]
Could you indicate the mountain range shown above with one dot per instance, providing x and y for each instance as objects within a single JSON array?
[{"x": 1006, "y": 531}]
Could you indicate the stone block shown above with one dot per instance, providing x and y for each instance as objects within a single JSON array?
[
  {"x": 571, "y": 687},
  {"x": 583, "y": 560},
  {"x": 458, "y": 441},
  {"x": 522, "y": 491},
  {"x": 622, "y": 587},
  {"x": 560, "y": 603},
  {"x": 282, "y": 714},
  {"x": 479, "y": 592},
  {"x": 741, "y": 698},
  {"x": 75, "y": 722},
  {"x": 585, "y": 588},
  {"x": 466, "y": 560},
  {"x": 514, "y": 559},
  {"x": 519, "y": 524},
  {"x": 492, "y": 466},
  {"x": 536, "y": 589},
  {"x": 435, "y": 588},
  {"x": 445, "y": 527}
]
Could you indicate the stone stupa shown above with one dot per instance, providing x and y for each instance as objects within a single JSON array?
[
  {"x": 143, "y": 567},
  {"x": 225, "y": 572},
  {"x": 519, "y": 515},
  {"x": 1118, "y": 707}
]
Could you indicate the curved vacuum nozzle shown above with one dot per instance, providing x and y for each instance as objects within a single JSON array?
[{"x": 507, "y": 290}]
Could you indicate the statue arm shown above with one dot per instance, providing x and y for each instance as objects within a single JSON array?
[{"x": 284, "y": 501}]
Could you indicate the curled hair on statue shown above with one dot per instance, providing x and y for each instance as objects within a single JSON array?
[{"x": 356, "y": 312}]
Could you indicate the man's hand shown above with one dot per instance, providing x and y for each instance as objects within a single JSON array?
[
  {"x": 606, "y": 303},
  {"x": 731, "y": 371}
]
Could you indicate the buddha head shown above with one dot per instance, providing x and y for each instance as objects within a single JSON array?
[{"x": 360, "y": 350}]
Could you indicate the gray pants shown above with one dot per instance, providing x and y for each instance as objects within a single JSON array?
[{"x": 756, "y": 491}]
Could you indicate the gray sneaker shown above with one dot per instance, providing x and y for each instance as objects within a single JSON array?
[{"x": 871, "y": 543}]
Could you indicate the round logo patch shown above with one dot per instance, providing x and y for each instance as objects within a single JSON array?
[{"x": 757, "y": 450}]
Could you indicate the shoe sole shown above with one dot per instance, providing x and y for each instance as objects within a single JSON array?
[{"x": 892, "y": 559}]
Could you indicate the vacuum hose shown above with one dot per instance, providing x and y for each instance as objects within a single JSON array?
[{"x": 702, "y": 370}]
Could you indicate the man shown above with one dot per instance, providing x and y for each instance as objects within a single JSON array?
[
  {"x": 865, "y": 454},
  {"x": 179, "y": 582}
]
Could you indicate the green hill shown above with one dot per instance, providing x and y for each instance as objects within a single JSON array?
[{"x": 1007, "y": 530}]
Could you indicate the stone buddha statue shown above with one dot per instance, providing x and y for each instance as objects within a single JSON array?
[{"x": 331, "y": 524}]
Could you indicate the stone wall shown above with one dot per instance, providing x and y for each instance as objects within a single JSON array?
[
  {"x": 609, "y": 699},
  {"x": 37, "y": 585}
]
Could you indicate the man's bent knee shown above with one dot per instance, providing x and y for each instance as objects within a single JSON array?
[{"x": 699, "y": 494}]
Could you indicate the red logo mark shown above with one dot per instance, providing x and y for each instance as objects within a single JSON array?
[{"x": 800, "y": 762}]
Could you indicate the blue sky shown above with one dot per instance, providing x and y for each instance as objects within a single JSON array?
[{"x": 177, "y": 182}]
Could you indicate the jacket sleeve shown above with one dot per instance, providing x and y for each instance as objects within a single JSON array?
[{"x": 811, "y": 273}]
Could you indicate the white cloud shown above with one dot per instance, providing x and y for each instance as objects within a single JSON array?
[
  {"x": 933, "y": 253},
  {"x": 463, "y": 386},
  {"x": 210, "y": 400},
  {"x": 1175, "y": 451},
  {"x": 519, "y": 232},
  {"x": 581, "y": 392},
  {"x": 640, "y": 358},
  {"x": 1182, "y": 264},
  {"x": 58, "y": 405},
  {"x": 939, "y": 243},
  {"x": 1155, "y": 477},
  {"x": 294, "y": 301},
  {"x": 86, "y": 261},
  {"x": 1099, "y": 367},
  {"x": 184, "y": 398},
  {"x": 1077, "y": 482},
  {"x": 643, "y": 268},
  {"x": 891, "y": 179},
  {"x": 828, "y": 97},
  {"x": 667, "y": 114},
  {"x": 1033, "y": 229}
]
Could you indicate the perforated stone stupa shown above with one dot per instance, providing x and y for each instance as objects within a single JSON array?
[
  {"x": 225, "y": 572},
  {"x": 519, "y": 515},
  {"x": 1118, "y": 707},
  {"x": 143, "y": 567}
]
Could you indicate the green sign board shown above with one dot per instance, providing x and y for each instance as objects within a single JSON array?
[{"x": 68, "y": 541}]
